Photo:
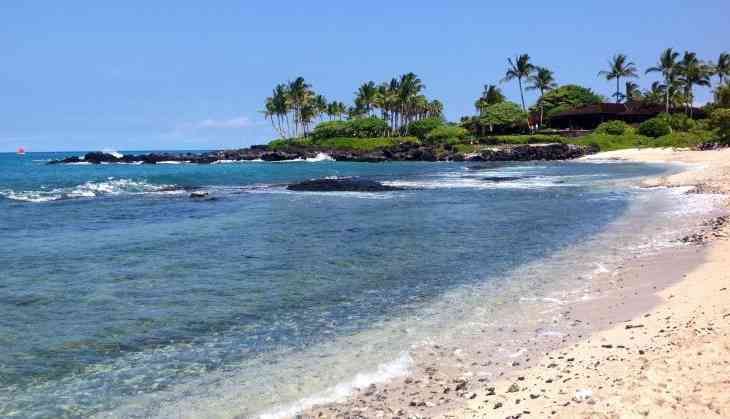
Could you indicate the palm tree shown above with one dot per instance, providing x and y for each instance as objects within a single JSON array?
[
  {"x": 519, "y": 69},
  {"x": 543, "y": 80},
  {"x": 633, "y": 93},
  {"x": 410, "y": 86},
  {"x": 693, "y": 72},
  {"x": 619, "y": 66},
  {"x": 722, "y": 68},
  {"x": 490, "y": 96},
  {"x": 300, "y": 94},
  {"x": 669, "y": 67},
  {"x": 277, "y": 110},
  {"x": 320, "y": 105},
  {"x": 435, "y": 109},
  {"x": 365, "y": 96}
]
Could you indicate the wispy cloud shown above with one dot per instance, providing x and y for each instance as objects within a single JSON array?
[{"x": 230, "y": 123}]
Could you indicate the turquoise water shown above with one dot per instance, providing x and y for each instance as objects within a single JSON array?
[{"x": 115, "y": 286}]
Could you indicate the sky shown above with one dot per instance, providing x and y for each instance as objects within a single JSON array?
[{"x": 163, "y": 75}]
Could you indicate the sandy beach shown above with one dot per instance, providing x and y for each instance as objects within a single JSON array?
[{"x": 654, "y": 344}]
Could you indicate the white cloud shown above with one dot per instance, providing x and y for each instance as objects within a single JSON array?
[{"x": 235, "y": 122}]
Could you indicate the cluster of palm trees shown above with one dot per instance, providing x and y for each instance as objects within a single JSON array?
[
  {"x": 538, "y": 78},
  {"x": 400, "y": 102},
  {"x": 293, "y": 107},
  {"x": 681, "y": 76}
]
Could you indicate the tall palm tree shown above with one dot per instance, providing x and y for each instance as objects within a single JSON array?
[
  {"x": 365, "y": 96},
  {"x": 543, "y": 80},
  {"x": 320, "y": 105},
  {"x": 300, "y": 94},
  {"x": 669, "y": 67},
  {"x": 490, "y": 96},
  {"x": 619, "y": 66},
  {"x": 277, "y": 110},
  {"x": 722, "y": 68},
  {"x": 410, "y": 86},
  {"x": 633, "y": 93},
  {"x": 519, "y": 69},
  {"x": 693, "y": 72}
]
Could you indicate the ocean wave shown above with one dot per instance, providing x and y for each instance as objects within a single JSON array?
[
  {"x": 479, "y": 182},
  {"x": 396, "y": 368},
  {"x": 90, "y": 190}
]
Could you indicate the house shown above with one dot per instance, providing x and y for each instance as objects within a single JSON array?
[{"x": 588, "y": 117}]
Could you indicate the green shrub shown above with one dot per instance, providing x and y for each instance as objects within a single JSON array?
[
  {"x": 720, "y": 121},
  {"x": 656, "y": 127},
  {"x": 613, "y": 128},
  {"x": 363, "y": 144},
  {"x": 680, "y": 122},
  {"x": 446, "y": 132},
  {"x": 284, "y": 143},
  {"x": 368, "y": 127},
  {"x": 607, "y": 142},
  {"x": 423, "y": 127},
  {"x": 332, "y": 129},
  {"x": 682, "y": 139}
]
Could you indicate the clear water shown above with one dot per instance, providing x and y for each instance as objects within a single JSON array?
[{"x": 120, "y": 296}]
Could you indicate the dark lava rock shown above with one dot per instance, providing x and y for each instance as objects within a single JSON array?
[
  {"x": 503, "y": 179},
  {"x": 199, "y": 194},
  {"x": 341, "y": 185}
]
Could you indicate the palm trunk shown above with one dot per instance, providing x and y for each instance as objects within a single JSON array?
[
  {"x": 667, "y": 95},
  {"x": 618, "y": 89}
]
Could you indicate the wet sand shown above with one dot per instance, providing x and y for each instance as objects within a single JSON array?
[{"x": 653, "y": 342}]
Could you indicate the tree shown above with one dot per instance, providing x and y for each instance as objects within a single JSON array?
[
  {"x": 543, "y": 80},
  {"x": 277, "y": 110},
  {"x": 633, "y": 93},
  {"x": 693, "y": 72},
  {"x": 365, "y": 97},
  {"x": 669, "y": 67},
  {"x": 567, "y": 97},
  {"x": 722, "y": 68},
  {"x": 490, "y": 96},
  {"x": 619, "y": 67},
  {"x": 320, "y": 104},
  {"x": 519, "y": 69},
  {"x": 504, "y": 116}
]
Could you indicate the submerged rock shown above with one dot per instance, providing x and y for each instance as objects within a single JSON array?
[
  {"x": 199, "y": 194},
  {"x": 340, "y": 185}
]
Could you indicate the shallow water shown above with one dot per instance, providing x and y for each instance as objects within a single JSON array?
[{"x": 120, "y": 296}]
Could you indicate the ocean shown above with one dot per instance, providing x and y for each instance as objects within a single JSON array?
[{"x": 121, "y": 296}]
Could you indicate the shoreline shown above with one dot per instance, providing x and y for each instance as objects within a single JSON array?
[{"x": 569, "y": 377}]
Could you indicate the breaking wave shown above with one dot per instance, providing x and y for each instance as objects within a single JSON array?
[{"x": 89, "y": 190}]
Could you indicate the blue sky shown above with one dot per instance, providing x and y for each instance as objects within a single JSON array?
[{"x": 81, "y": 75}]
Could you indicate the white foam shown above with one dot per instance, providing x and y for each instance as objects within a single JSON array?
[
  {"x": 385, "y": 372},
  {"x": 88, "y": 190},
  {"x": 320, "y": 157}
]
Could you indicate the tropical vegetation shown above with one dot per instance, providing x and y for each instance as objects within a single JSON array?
[{"x": 387, "y": 113}]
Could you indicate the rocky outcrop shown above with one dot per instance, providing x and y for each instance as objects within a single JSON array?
[
  {"x": 340, "y": 185},
  {"x": 400, "y": 152},
  {"x": 554, "y": 151}
]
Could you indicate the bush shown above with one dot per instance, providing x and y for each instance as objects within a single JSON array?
[
  {"x": 368, "y": 127},
  {"x": 504, "y": 117},
  {"x": 606, "y": 142},
  {"x": 446, "y": 132},
  {"x": 681, "y": 122},
  {"x": 720, "y": 121},
  {"x": 363, "y": 144},
  {"x": 656, "y": 127},
  {"x": 332, "y": 129},
  {"x": 421, "y": 128},
  {"x": 613, "y": 128}
]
